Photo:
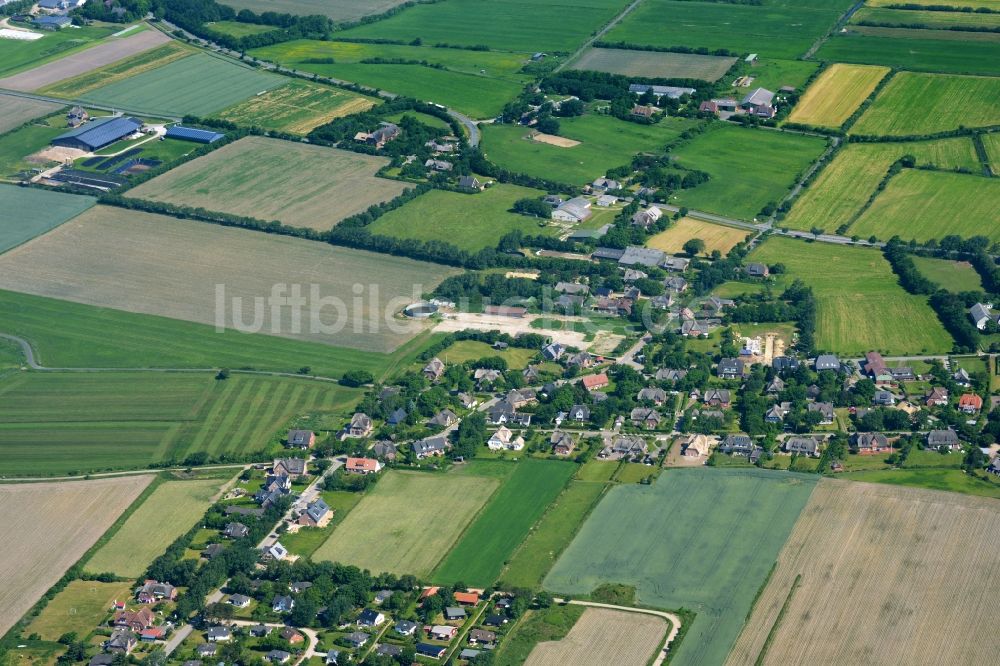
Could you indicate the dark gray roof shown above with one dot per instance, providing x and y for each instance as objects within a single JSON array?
[{"x": 193, "y": 134}]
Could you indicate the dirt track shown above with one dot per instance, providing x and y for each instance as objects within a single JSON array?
[{"x": 112, "y": 50}]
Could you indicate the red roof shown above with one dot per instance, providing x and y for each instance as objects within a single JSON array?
[
  {"x": 471, "y": 598},
  {"x": 362, "y": 464},
  {"x": 595, "y": 381},
  {"x": 970, "y": 400}
]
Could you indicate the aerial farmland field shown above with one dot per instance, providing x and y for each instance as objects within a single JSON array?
[
  {"x": 947, "y": 103},
  {"x": 919, "y": 50},
  {"x": 734, "y": 189},
  {"x": 955, "y": 276},
  {"x": 444, "y": 216},
  {"x": 174, "y": 507},
  {"x": 15, "y": 111},
  {"x": 79, "y": 607},
  {"x": 921, "y": 205},
  {"x": 486, "y": 545},
  {"x": 716, "y": 236},
  {"x": 158, "y": 56},
  {"x": 17, "y": 55},
  {"x": 604, "y": 636},
  {"x": 253, "y": 177},
  {"x": 853, "y": 547},
  {"x": 504, "y": 25},
  {"x": 844, "y": 186},
  {"x": 198, "y": 85},
  {"x": 929, "y": 19},
  {"x": 55, "y": 524},
  {"x": 724, "y": 549},
  {"x": 18, "y": 147},
  {"x": 974, "y": 4},
  {"x": 391, "y": 529},
  {"x": 338, "y": 10},
  {"x": 38, "y": 211},
  {"x": 295, "y": 107},
  {"x": 991, "y": 142},
  {"x": 654, "y": 64},
  {"x": 836, "y": 94},
  {"x": 859, "y": 300},
  {"x": 604, "y": 143}
]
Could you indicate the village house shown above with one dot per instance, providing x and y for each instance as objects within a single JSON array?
[
  {"x": 434, "y": 369},
  {"x": 405, "y": 627},
  {"x": 579, "y": 413},
  {"x": 134, "y": 620},
  {"x": 594, "y": 382},
  {"x": 432, "y": 446},
  {"x": 397, "y": 416},
  {"x": 360, "y": 426},
  {"x": 653, "y": 394},
  {"x": 946, "y": 438},
  {"x": 430, "y": 650},
  {"x": 756, "y": 270},
  {"x": 521, "y": 397},
  {"x": 827, "y": 362},
  {"x": 363, "y": 466},
  {"x": 785, "y": 363},
  {"x": 278, "y": 657},
  {"x": 370, "y": 618},
  {"x": 778, "y": 412},
  {"x": 206, "y": 650},
  {"x": 562, "y": 443},
  {"x": 503, "y": 412},
  {"x": 675, "y": 264},
  {"x": 218, "y": 634},
  {"x": 731, "y": 368},
  {"x": 470, "y": 183},
  {"x": 316, "y": 514},
  {"x": 482, "y": 637},
  {"x": 505, "y": 439},
  {"x": 777, "y": 385},
  {"x": 357, "y": 639},
  {"x": 235, "y": 531},
  {"x": 670, "y": 375},
  {"x": 805, "y": 446},
  {"x": 442, "y": 632},
  {"x": 301, "y": 439},
  {"x": 239, "y": 600},
  {"x": 605, "y": 184},
  {"x": 575, "y": 210},
  {"x": 697, "y": 446},
  {"x": 739, "y": 444},
  {"x": 122, "y": 641},
  {"x": 870, "y": 442},
  {"x": 717, "y": 398},
  {"x": 936, "y": 397},
  {"x": 553, "y": 351},
  {"x": 384, "y": 134},
  {"x": 443, "y": 419},
  {"x": 884, "y": 398},
  {"x": 153, "y": 591},
  {"x": 981, "y": 314},
  {"x": 643, "y": 417},
  {"x": 282, "y": 603},
  {"x": 970, "y": 403},
  {"x": 825, "y": 409},
  {"x": 876, "y": 368},
  {"x": 624, "y": 446},
  {"x": 290, "y": 467},
  {"x": 647, "y": 217}
]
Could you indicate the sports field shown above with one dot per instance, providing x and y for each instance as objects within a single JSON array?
[
  {"x": 198, "y": 85},
  {"x": 864, "y": 546},
  {"x": 955, "y": 276},
  {"x": 297, "y": 184},
  {"x": 538, "y": 552},
  {"x": 654, "y": 64},
  {"x": 605, "y": 143},
  {"x": 79, "y": 607},
  {"x": 408, "y": 522},
  {"x": 505, "y": 25},
  {"x": 716, "y": 236},
  {"x": 836, "y": 94},
  {"x": 15, "y": 111},
  {"x": 702, "y": 554},
  {"x": 921, "y": 205},
  {"x": 211, "y": 274},
  {"x": 946, "y": 103},
  {"x": 37, "y": 212},
  {"x": 75, "y": 86},
  {"x": 174, "y": 507},
  {"x": 17, "y": 55},
  {"x": 61, "y": 423},
  {"x": 604, "y": 636},
  {"x": 846, "y": 184},
  {"x": 296, "y": 107},
  {"x": 338, "y": 10},
  {"x": 444, "y": 216},
  {"x": 55, "y": 524},
  {"x": 777, "y": 29},
  {"x": 734, "y": 190},
  {"x": 487, "y": 544},
  {"x": 919, "y": 50},
  {"x": 90, "y": 337},
  {"x": 859, "y": 300}
]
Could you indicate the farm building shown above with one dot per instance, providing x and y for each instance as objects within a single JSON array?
[
  {"x": 98, "y": 133},
  {"x": 671, "y": 92},
  {"x": 759, "y": 102},
  {"x": 192, "y": 134},
  {"x": 52, "y": 22},
  {"x": 576, "y": 209}
]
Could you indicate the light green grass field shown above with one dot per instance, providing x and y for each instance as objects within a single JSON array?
[
  {"x": 37, "y": 212},
  {"x": 956, "y": 276},
  {"x": 733, "y": 189},
  {"x": 237, "y": 29},
  {"x": 605, "y": 143},
  {"x": 117, "y": 71},
  {"x": 930, "y": 19},
  {"x": 505, "y": 25},
  {"x": 654, "y": 64},
  {"x": 913, "y": 103},
  {"x": 549, "y": 624},
  {"x": 486, "y": 545},
  {"x": 19, "y": 144},
  {"x": 953, "y": 480},
  {"x": 14, "y": 111},
  {"x": 992, "y": 144},
  {"x": 308, "y": 539},
  {"x": 774, "y": 73},
  {"x": 79, "y": 607},
  {"x": 539, "y": 551},
  {"x": 296, "y": 107},
  {"x": 779, "y": 29},
  {"x": 408, "y": 522},
  {"x": 198, "y": 85},
  {"x": 699, "y": 553},
  {"x": 445, "y": 216},
  {"x": 338, "y": 10},
  {"x": 922, "y": 50},
  {"x": 844, "y": 185},
  {"x": 471, "y": 350},
  {"x": 836, "y": 94},
  {"x": 170, "y": 511},
  {"x": 859, "y": 300},
  {"x": 921, "y": 205},
  {"x": 17, "y": 55},
  {"x": 57, "y": 423}
]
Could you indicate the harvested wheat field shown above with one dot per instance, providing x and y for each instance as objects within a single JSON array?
[
  {"x": 836, "y": 94},
  {"x": 111, "y": 50},
  {"x": 181, "y": 269},
  {"x": 553, "y": 140},
  {"x": 269, "y": 179},
  {"x": 874, "y": 574},
  {"x": 716, "y": 236},
  {"x": 49, "y": 526},
  {"x": 604, "y": 636}
]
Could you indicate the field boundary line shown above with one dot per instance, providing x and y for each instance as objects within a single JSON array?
[
  {"x": 777, "y": 621},
  {"x": 841, "y": 22}
]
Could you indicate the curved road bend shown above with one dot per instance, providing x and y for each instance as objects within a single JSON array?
[{"x": 674, "y": 620}]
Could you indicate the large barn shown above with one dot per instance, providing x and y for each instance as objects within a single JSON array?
[{"x": 98, "y": 133}]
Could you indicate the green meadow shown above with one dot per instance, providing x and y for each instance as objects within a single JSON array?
[{"x": 38, "y": 211}]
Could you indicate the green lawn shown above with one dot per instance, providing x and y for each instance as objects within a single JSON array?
[
  {"x": 536, "y": 555},
  {"x": 79, "y": 607},
  {"x": 37, "y": 212},
  {"x": 774, "y": 73},
  {"x": 956, "y": 276},
  {"x": 921, "y": 205},
  {"x": 308, "y": 539},
  {"x": 859, "y": 300},
  {"x": 645, "y": 536},
  {"x": 734, "y": 190},
  {"x": 174, "y": 507},
  {"x": 944, "y": 51},
  {"x": 951, "y": 480},
  {"x": 504, "y": 523},
  {"x": 471, "y": 350},
  {"x": 17, "y": 55},
  {"x": 470, "y": 221},
  {"x": 778, "y": 29},
  {"x": 605, "y": 143},
  {"x": 946, "y": 103}
]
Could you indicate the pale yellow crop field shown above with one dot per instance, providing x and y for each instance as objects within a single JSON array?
[
  {"x": 836, "y": 94},
  {"x": 716, "y": 236},
  {"x": 604, "y": 636}
]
